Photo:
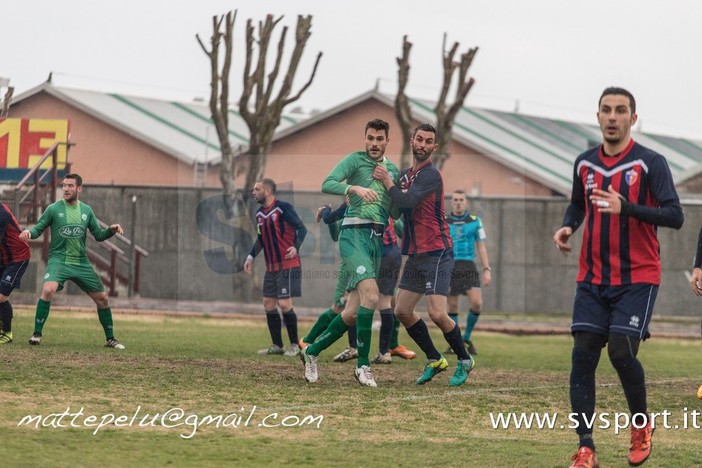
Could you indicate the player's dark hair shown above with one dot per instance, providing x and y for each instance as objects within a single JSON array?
[
  {"x": 269, "y": 183},
  {"x": 622, "y": 92},
  {"x": 76, "y": 177},
  {"x": 380, "y": 125},
  {"x": 425, "y": 127},
  {"x": 460, "y": 192}
]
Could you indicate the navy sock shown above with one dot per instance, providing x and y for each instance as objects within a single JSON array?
[
  {"x": 290, "y": 320},
  {"x": 420, "y": 334},
  {"x": 6, "y": 316},
  {"x": 454, "y": 339},
  {"x": 353, "y": 337},
  {"x": 582, "y": 388},
  {"x": 387, "y": 325},
  {"x": 631, "y": 375},
  {"x": 274, "y": 327}
]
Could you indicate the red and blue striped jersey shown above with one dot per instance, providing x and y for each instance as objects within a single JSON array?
[
  {"x": 12, "y": 248},
  {"x": 420, "y": 198},
  {"x": 623, "y": 249},
  {"x": 279, "y": 228}
]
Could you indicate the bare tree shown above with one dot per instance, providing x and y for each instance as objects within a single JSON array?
[
  {"x": 402, "y": 109},
  {"x": 263, "y": 116},
  {"x": 445, "y": 115}
]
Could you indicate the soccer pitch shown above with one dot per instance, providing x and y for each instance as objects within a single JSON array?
[{"x": 193, "y": 392}]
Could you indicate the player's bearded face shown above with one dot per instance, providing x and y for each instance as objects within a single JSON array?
[
  {"x": 70, "y": 190},
  {"x": 259, "y": 192},
  {"x": 615, "y": 118},
  {"x": 423, "y": 144},
  {"x": 376, "y": 143}
]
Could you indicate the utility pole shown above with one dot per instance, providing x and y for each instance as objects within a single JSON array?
[
  {"x": 132, "y": 249},
  {"x": 7, "y": 100}
]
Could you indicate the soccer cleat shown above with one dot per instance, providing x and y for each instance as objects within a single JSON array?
[
  {"x": 471, "y": 348},
  {"x": 302, "y": 344},
  {"x": 346, "y": 355},
  {"x": 364, "y": 376},
  {"x": 113, "y": 343},
  {"x": 403, "y": 352},
  {"x": 585, "y": 457},
  {"x": 273, "y": 349},
  {"x": 382, "y": 358},
  {"x": 460, "y": 376},
  {"x": 35, "y": 339},
  {"x": 641, "y": 445},
  {"x": 5, "y": 338},
  {"x": 431, "y": 369},
  {"x": 310, "y": 366},
  {"x": 293, "y": 350},
  {"x": 699, "y": 392}
]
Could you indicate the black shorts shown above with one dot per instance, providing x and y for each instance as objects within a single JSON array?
[
  {"x": 390, "y": 265},
  {"x": 10, "y": 276},
  {"x": 465, "y": 276},
  {"x": 428, "y": 273},
  {"x": 283, "y": 284}
]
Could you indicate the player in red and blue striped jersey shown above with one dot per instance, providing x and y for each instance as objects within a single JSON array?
[
  {"x": 280, "y": 235},
  {"x": 622, "y": 191},
  {"x": 14, "y": 258}
]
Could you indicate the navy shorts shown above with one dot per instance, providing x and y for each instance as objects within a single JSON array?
[
  {"x": 428, "y": 273},
  {"x": 465, "y": 276},
  {"x": 283, "y": 284},
  {"x": 390, "y": 265},
  {"x": 626, "y": 310},
  {"x": 10, "y": 276}
]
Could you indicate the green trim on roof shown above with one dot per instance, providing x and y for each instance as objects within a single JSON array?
[
  {"x": 576, "y": 128},
  {"x": 158, "y": 118},
  {"x": 540, "y": 128},
  {"x": 209, "y": 121},
  {"x": 681, "y": 168},
  {"x": 566, "y": 180}
]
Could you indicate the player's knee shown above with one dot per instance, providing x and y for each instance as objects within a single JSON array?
[
  {"x": 622, "y": 348},
  {"x": 476, "y": 307}
]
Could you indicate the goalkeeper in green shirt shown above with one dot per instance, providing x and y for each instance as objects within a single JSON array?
[
  {"x": 70, "y": 220},
  {"x": 360, "y": 246}
]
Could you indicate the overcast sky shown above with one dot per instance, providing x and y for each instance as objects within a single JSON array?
[{"x": 548, "y": 57}]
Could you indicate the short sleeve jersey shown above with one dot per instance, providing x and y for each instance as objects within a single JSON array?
[{"x": 466, "y": 230}]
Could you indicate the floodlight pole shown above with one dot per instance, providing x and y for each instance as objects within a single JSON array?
[{"x": 132, "y": 249}]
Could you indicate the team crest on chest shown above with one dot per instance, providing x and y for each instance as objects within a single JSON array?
[{"x": 631, "y": 176}]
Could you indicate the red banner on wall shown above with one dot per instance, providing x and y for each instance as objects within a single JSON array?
[{"x": 24, "y": 141}]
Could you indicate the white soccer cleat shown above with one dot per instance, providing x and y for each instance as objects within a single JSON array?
[
  {"x": 364, "y": 376},
  {"x": 113, "y": 343},
  {"x": 310, "y": 366}
]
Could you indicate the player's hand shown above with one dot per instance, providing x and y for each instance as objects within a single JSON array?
[
  {"x": 320, "y": 209},
  {"x": 366, "y": 194},
  {"x": 561, "y": 239},
  {"x": 696, "y": 281},
  {"x": 247, "y": 264},
  {"x": 381, "y": 174},
  {"x": 25, "y": 235},
  {"x": 117, "y": 229},
  {"x": 291, "y": 252},
  {"x": 609, "y": 201},
  {"x": 487, "y": 278}
]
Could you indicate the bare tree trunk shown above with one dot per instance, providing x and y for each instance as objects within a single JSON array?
[{"x": 402, "y": 109}]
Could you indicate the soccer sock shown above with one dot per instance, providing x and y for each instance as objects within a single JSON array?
[
  {"x": 471, "y": 320},
  {"x": 6, "y": 316},
  {"x": 334, "y": 331},
  {"x": 387, "y": 325},
  {"x": 353, "y": 337},
  {"x": 364, "y": 324},
  {"x": 420, "y": 334},
  {"x": 320, "y": 325},
  {"x": 290, "y": 319},
  {"x": 631, "y": 375},
  {"x": 41, "y": 315},
  {"x": 395, "y": 336},
  {"x": 105, "y": 317},
  {"x": 453, "y": 338},
  {"x": 454, "y": 316},
  {"x": 274, "y": 327},
  {"x": 582, "y": 390}
]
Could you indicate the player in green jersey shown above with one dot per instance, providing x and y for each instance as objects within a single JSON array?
[
  {"x": 360, "y": 246},
  {"x": 70, "y": 220}
]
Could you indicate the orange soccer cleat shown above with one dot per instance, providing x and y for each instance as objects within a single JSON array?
[
  {"x": 585, "y": 457},
  {"x": 641, "y": 445},
  {"x": 403, "y": 352}
]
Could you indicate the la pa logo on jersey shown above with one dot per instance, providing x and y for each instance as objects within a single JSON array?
[{"x": 631, "y": 176}]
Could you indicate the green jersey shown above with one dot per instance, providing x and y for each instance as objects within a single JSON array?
[
  {"x": 69, "y": 226},
  {"x": 357, "y": 169}
]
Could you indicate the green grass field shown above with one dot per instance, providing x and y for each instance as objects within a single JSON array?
[{"x": 271, "y": 416}]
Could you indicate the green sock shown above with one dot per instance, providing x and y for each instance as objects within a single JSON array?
[
  {"x": 364, "y": 323},
  {"x": 41, "y": 315},
  {"x": 105, "y": 316},
  {"x": 471, "y": 320},
  {"x": 334, "y": 331},
  {"x": 394, "y": 338},
  {"x": 454, "y": 316},
  {"x": 320, "y": 325}
]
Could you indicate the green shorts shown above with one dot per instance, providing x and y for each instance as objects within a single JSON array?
[
  {"x": 361, "y": 250},
  {"x": 83, "y": 275}
]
